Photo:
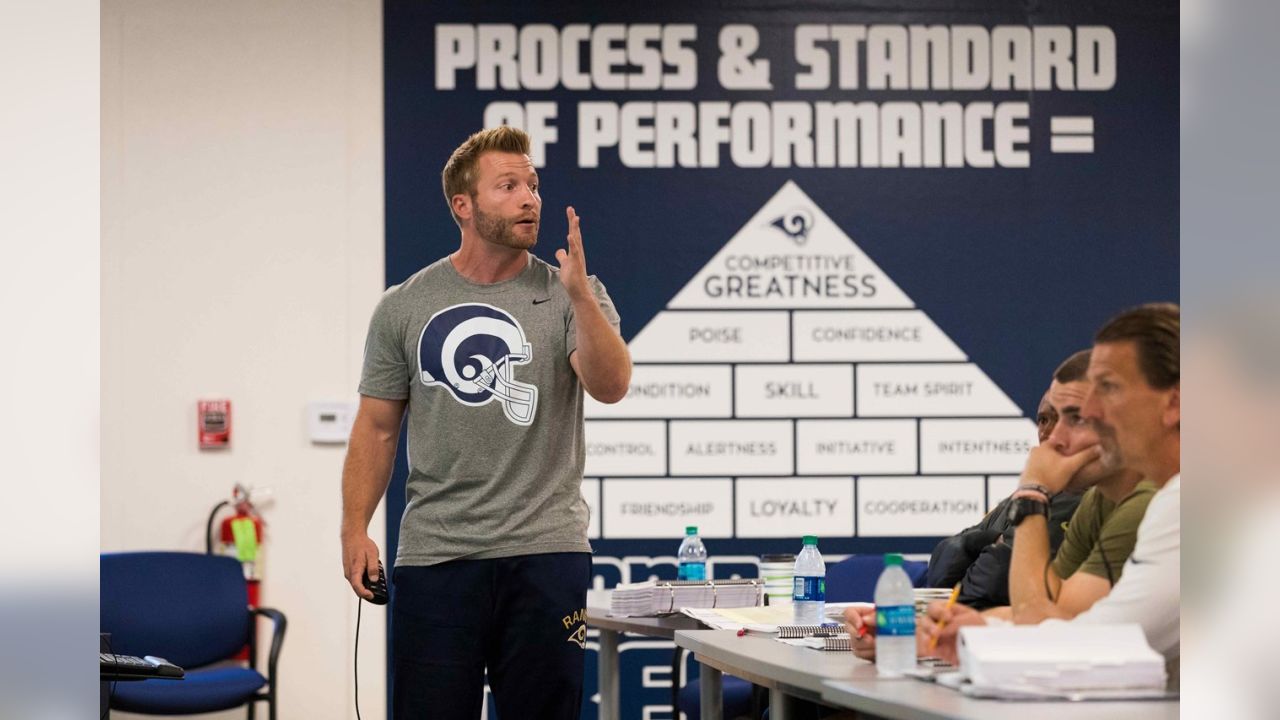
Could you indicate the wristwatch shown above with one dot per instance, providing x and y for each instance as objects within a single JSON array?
[{"x": 1022, "y": 508}]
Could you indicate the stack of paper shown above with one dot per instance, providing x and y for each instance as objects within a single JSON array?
[
  {"x": 660, "y": 598},
  {"x": 1060, "y": 658},
  {"x": 763, "y": 619}
]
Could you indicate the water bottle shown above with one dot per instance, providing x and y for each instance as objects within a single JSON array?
[
  {"x": 809, "y": 596},
  {"x": 693, "y": 556},
  {"x": 895, "y": 619}
]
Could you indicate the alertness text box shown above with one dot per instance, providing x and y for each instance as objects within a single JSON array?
[{"x": 731, "y": 447}]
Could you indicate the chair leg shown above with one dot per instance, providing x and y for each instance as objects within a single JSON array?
[
  {"x": 252, "y": 706},
  {"x": 676, "y": 657}
]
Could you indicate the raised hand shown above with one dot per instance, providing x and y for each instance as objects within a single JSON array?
[
  {"x": 573, "y": 263},
  {"x": 1046, "y": 466}
]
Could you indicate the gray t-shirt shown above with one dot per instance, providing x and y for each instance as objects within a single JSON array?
[{"x": 495, "y": 411}]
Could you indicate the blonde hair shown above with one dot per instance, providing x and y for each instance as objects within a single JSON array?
[{"x": 459, "y": 174}]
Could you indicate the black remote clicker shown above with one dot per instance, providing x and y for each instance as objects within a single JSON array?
[{"x": 378, "y": 587}]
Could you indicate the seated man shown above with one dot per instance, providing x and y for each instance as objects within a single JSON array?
[
  {"x": 1134, "y": 403},
  {"x": 1101, "y": 533},
  {"x": 979, "y": 557},
  {"x": 1098, "y": 538}
]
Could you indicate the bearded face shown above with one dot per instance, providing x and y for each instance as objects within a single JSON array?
[{"x": 519, "y": 232}]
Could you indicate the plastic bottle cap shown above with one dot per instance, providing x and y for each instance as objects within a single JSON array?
[
  {"x": 811, "y": 540},
  {"x": 892, "y": 559},
  {"x": 691, "y": 530}
]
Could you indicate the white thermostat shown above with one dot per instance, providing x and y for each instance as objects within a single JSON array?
[{"x": 330, "y": 422}]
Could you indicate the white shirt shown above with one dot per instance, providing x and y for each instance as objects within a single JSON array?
[{"x": 1148, "y": 592}]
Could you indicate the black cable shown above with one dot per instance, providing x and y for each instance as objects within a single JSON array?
[{"x": 356, "y": 660}]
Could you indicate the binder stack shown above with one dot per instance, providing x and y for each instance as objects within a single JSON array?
[{"x": 666, "y": 597}]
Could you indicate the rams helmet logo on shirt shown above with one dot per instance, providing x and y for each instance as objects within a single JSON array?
[{"x": 471, "y": 350}]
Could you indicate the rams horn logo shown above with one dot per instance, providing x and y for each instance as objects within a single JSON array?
[
  {"x": 796, "y": 223},
  {"x": 579, "y": 636},
  {"x": 471, "y": 350}
]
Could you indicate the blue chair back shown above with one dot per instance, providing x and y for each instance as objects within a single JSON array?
[
  {"x": 189, "y": 608},
  {"x": 854, "y": 578}
]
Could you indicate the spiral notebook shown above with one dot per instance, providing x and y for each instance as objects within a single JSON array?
[
  {"x": 799, "y": 631},
  {"x": 838, "y": 642}
]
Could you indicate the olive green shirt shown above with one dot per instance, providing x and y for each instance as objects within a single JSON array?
[{"x": 1101, "y": 534}]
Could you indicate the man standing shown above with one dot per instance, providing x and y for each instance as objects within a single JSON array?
[{"x": 489, "y": 349}]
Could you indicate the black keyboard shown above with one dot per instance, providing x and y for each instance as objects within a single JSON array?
[{"x": 129, "y": 666}]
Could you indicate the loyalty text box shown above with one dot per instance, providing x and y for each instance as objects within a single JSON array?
[{"x": 794, "y": 507}]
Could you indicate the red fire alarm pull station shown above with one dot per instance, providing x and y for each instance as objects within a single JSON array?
[{"x": 213, "y": 424}]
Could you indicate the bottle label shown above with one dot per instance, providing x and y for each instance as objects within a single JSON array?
[
  {"x": 692, "y": 571},
  {"x": 896, "y": 620},
  {"x": 810, "y": 589}
]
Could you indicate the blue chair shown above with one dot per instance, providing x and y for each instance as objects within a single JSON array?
[
  {"x": 192, "y": 610},
  {"x": 850, "y": 580},
  {"x": 854, "y": 578}
]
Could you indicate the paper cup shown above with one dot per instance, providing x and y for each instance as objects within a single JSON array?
[{"x": 778, "y": 572}]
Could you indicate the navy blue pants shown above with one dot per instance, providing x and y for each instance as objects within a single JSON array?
[{"x": 523, "y": 618}]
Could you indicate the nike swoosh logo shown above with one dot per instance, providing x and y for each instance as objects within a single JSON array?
[{"x": 539, "y": 302}]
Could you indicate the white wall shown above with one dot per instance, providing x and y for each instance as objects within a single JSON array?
[{"x": 242, "y": 250}]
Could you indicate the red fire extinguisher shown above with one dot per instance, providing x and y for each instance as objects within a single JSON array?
[{"x": 240, "y": 536}]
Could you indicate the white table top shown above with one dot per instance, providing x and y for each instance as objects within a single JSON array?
[{"x": 839, "y": 678}]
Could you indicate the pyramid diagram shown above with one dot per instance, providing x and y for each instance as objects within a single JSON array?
[{"x": 792, "y": 388}]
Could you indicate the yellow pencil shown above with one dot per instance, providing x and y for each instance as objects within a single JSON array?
[{"x": 955, "y": 593}]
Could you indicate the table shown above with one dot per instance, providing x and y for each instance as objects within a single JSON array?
[
  {"x": 840, "y": 679},
  {"x": 789, "y": 672},
  {"x": 914, "y": 700},
  {"x": 611, "y": 629}
]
